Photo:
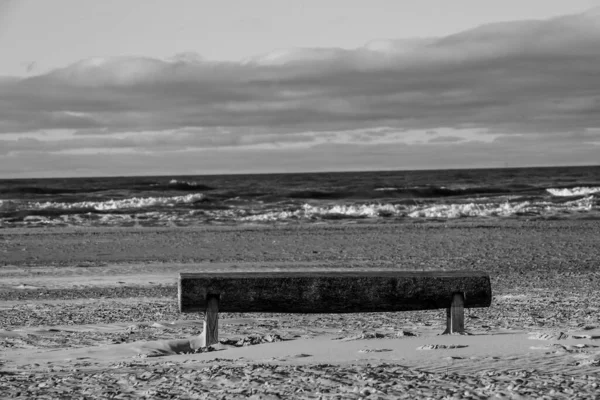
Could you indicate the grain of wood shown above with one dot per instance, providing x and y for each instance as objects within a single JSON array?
[
  {"x": 333, "y": 292},
  {"x": 455, "y": 320},
  {"x": 211, "y": 320}
]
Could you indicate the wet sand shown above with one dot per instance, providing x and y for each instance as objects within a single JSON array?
[{"x": 93, "y": 312}]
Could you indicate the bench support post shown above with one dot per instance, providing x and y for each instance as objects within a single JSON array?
[
  {"x": 211, "y": 320},
  {"x": 455, "y": 315}
]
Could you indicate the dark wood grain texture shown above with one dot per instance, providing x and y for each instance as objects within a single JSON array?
[
  {"x": 333, "y": 292},
  {"x": 211, "y": 320},
  {"x": 455, "y": 318}
]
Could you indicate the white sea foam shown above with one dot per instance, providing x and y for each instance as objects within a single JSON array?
[
  {"x": 135, "y": 202},
  {"x": 466, "y": 210},
  {"x": 500, "y": 209},
  {"x": 576, "y": 191},
  {"x": 176, "y": 182},
  {"x": 271, "y": 216},
  {"x": 151, "y": 218},
  {"x": 8, "y": 204},
  {"x": 449, "y": 211},
  {"x": 340, "y": 210},
  {"x": 307, "y": 212}
]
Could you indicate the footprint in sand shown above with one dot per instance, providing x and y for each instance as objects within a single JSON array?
[
  {"x": 548, "y": 336},
  {"x": 373, "y": 350},
  {"x": 365, "y": 335},
  {"x": 375, "y": 335},
  {"x": 544, "y": 347},
  {"x": 575, "y": 348},
  {"x": 302, "y": 355},
  {"x": 25, "y": 286},
  {"x": 593, "y": 362},
  {"x": 585, "y": 336},
  {"x": 441, "y": 346},
  {"x": 405, "y": 334}
]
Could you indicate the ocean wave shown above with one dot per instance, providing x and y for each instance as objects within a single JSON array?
[
  {"x": 506, "y": 209},
  {"x": 576, "y": 191},
  {"x": 186, "y": 185},
  {"x": 135, "y": 212},
  {"x": 443, "y": 211},
  {"x": 131, "y": 203},
  {"x": 9, "y": 205},
  {"x": 419, "y": 192},
  {"x": 443, "y": 191},
  {"x": 320, "y": 194},
  {"x": 353, "y": 211},
  {"x": 328, "y": 212}
]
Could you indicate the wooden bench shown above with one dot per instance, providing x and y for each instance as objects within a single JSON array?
[{"x": 332, "y": 292}]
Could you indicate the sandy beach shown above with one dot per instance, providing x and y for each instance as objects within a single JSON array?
[{"x": 92, "y": 313}]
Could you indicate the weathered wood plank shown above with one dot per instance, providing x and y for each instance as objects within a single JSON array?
[
  {"x": 333, "y": 291},
  {"x": 455, "y": 315},
  {"x": 211, "y": 320}
]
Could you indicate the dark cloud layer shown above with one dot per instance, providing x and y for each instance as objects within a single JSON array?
[
  {"x": 525, "y": 150},
  {"x": 525, "y": 77},
  {"x": 163, "y": 141}
]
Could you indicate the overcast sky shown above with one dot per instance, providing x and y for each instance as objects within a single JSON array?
[{"x": 199, "y": 87}]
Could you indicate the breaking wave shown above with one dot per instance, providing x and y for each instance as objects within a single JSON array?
[
  {"x": 419, "y": 192},
  {"x": 502, "y": 209},
  {"x": 444, "y": 211},
  {"x": 111, "y": 213},
  {"x": 576, "y": 191},
  {"x": 185, "y": 185},
  {"x": 301, "y": 198},
  {"x": 131, "y": 203},
  {"x": 339, "y": 211}
]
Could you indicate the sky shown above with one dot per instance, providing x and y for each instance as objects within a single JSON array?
[{"x": 131, "y": 87}]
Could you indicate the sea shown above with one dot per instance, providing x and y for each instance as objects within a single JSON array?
[{"x": 302, "y": 198}]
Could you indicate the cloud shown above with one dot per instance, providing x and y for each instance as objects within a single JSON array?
[
  {"x": 526, "y": 76},
  {"x": 446, "y": 139},
  {"x": 148, "y": 141},
  {"x": 517, "y": 80},
  {"x": 526, "y": 151}
]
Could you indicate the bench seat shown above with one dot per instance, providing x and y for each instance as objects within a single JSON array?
[{"x": 332, "y": 292}]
